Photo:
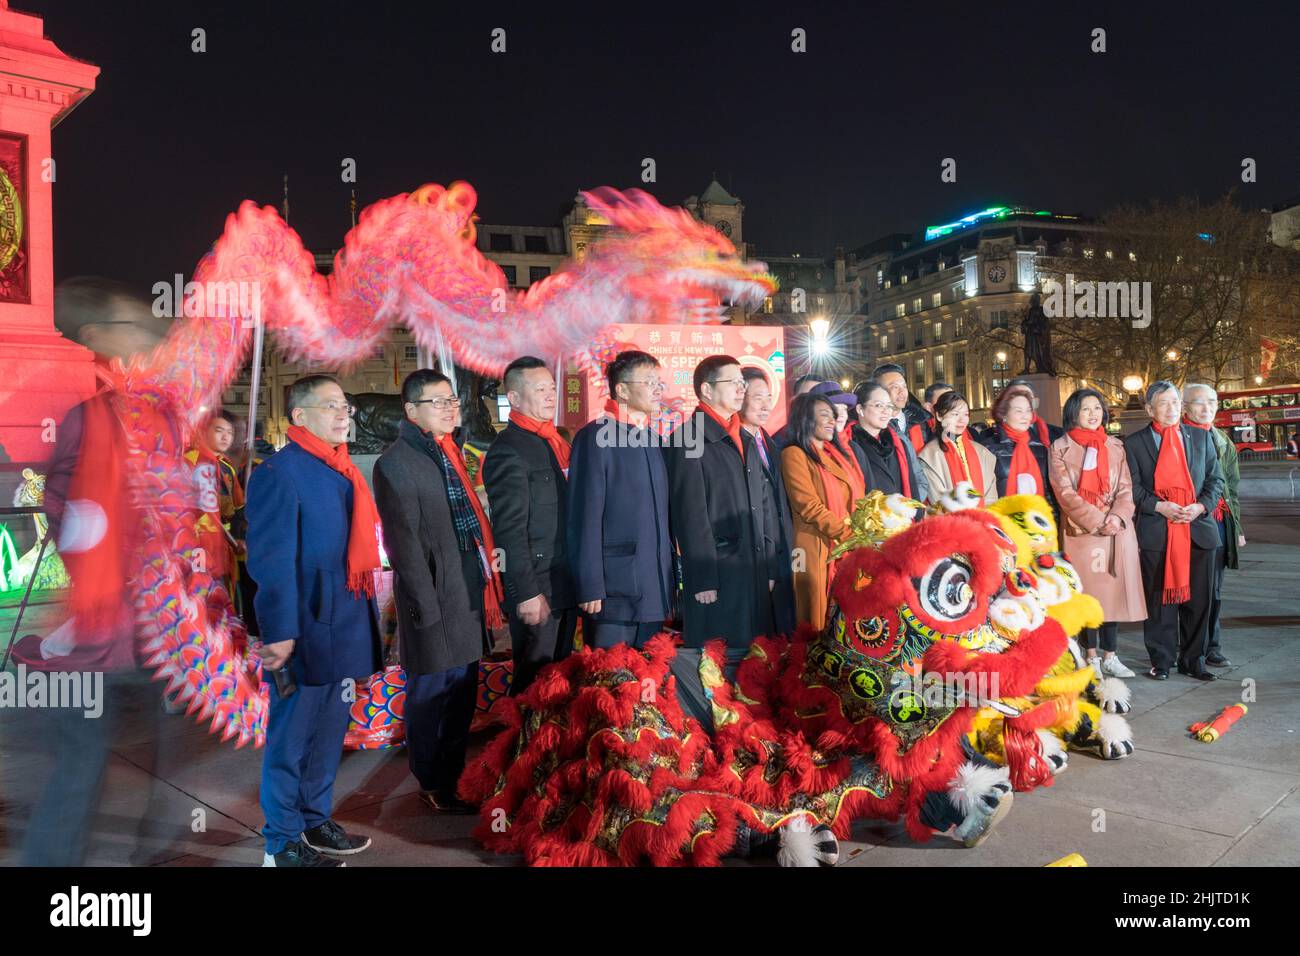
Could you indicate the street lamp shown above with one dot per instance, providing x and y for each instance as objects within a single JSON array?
[
  {"x": 1132, "y": 384},
  {"x": 1002, "y": 356},
  {"x": 1259, "y": 379},
  {"x": 1172, "y": 355}
]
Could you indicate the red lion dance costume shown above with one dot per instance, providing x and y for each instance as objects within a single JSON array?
[
  {"x": 410, "y": 259},
  {"x": 598, "y": 766}
]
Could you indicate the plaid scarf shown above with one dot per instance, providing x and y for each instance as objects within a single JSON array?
[{"x": 469, "y": 533}]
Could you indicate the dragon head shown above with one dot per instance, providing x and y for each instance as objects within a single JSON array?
[
  {"x": 1028, "y": 519},
  {"x": 689, "y": 269}
]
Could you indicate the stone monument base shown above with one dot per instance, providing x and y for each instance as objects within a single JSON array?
[{"x": 1048, "y": 390}]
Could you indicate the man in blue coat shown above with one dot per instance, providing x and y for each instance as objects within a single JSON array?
[
  {"x": 312, "y": 549},
  {"x": 618, "y": 511}
]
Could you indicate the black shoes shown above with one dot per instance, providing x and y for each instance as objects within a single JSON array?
[
  {"x": 301, "y": 855},
  {"x": 1200, "y": 675},
  {"x": 1218, "y": 660},
  {"x": 1158, "y": 673},
  {"x": 447, "y": 803},
  {"x": 332, "y": 839}
]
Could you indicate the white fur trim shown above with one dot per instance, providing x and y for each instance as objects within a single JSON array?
[
  {"x": 1051, "y": 743},
  {"x": 1113, "y": 729},
  {"x": 1114, "y": 690},
  {"x": 798, "y": 846},
  {"x": 1079, "y": 661},
  {"x": 972, "y": 782}
]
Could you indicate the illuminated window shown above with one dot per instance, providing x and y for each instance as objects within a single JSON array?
[
  {"x": 916, "y": 305},
  {"x": 936, "y": 300},
  {"x": 1110, "y": 254},
  {"x": 900, "y": 310},
  {"x": 918, "y": 375},
  {"x": 903, "y": 277},
  {"x": 884, "y": 343},
  {"x": 938, "y": 367},
  {"x": 961, "y": 365},
  {"x": 938, "y": 330},
  {"x": 767, "y": 305},
  {"x": 1132, "y": 257},
  {"x": 1087, "y": 253},
  {"x": 888, "y": 283}
]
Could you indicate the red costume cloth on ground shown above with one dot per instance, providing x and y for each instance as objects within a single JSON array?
[{"x": 1173, "y": 483}]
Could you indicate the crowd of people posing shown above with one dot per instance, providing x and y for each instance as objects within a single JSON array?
[{"x": 722, "y": 527}]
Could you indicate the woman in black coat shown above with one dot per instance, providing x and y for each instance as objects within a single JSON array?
[{"x": 1017, "y": 428}]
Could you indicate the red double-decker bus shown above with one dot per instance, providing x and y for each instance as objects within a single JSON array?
[{"x": 1260, "y": 419}]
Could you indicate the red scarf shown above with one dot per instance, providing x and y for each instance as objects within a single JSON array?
[
  {"x": 619, "y": 413},
  {"x": 1044, "y": 435},
  {"x": 546, "y": 430},
  {"x": 363, "y": 535},
  {"x": 494, "y": 591},
  {"x": 850, "y": 463},
  {"x": 916, "y": 434},
  {"x": 1023, "y": 462},
  {"x": 1221, "y": 508},
  {"x": 1094, "y": 485},
  {"x": 973, "y": 466},
  {"x": 904, "y": 473},
  {"x": 730, "y": 425},
  {"x": 1173, "y": 482}
]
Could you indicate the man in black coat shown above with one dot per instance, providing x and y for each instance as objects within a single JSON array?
[
  {"x": 439, "y": 584},
  {"x": 907, "y": 412},
  {"x": 728, "y": 572},
  {"x": 526, "y": 477},
  {"x": 619, "y": 547},
  {"x": 777, "y": 523},
  {"x": 1155, "y": 517}
]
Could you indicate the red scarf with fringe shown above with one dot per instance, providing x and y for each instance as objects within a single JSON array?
[
  {"x": 494, "y": 591},
  {"x": 363, "y": 535},
  {"x": 1094, "y": 484},
  {"x": 1173, "y": 482},
  {"x": 973, "y": 471},
  {"x": 620, "y": 414},
  {"x": 546, "y": 430}
]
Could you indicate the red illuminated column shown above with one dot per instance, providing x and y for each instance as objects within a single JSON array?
[{"x": 42, "y": 374}]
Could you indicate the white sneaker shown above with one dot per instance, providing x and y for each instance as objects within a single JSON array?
[
  {"x": 1115, "y": 667},
  {"x": 1095, "y": 663}
]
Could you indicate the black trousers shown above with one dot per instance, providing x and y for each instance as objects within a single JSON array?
[
  {"x": 1178, "y": 634},
  {"x": 1220, "y": 566},
  {"x": 534, "y": 647},
  {"x": 439, "y": 709},
  {"x": 695, "y": 701},
  {"x": 613, "y": 633},
  {"x": 1106, "y": 637}
]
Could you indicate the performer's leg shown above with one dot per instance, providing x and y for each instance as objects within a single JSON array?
[
  {"x": 290, "y": 728},
  {"x": 317, "y": 788},
  {"x": 1220, "y": 566},
  {"x": 691, "y": 696},
  {"x": 532, "y": 648}
]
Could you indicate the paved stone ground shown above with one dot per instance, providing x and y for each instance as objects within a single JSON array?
[{"x": 1175, "y": 802}]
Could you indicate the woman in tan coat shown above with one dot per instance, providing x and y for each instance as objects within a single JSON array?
[
  {"x": 823, "y": 483},
  {"x": 1089, "y": 473},
  {"x": 953, "y": 456}
]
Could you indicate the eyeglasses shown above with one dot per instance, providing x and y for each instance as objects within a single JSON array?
[
  {"x": 439, "y": 404},
  {"x": 655, "y": 384},
  {"x": 738, "y": 382},
  {"x": 883, "y": 407},
  {"x": 1207, "y": 402},
  {"x": 334, "y": 408}
]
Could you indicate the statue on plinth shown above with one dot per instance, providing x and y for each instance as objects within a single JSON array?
[{"x": 1037, "y": 330}]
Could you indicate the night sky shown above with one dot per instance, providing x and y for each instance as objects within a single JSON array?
[{"x": 838, "y": 145}]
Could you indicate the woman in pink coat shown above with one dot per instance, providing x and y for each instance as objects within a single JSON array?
[{"x": 1089, "y": 474}]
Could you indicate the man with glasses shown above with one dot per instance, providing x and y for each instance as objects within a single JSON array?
[
  {"x": 1176, "y": 486},
  {"x": 447, "y": 583},
  {"x": 313, "y": 548},
  {"x": 729, "y": 566},
  {"x": 526, "y": 476},
  {"x": 1200, "y": 405},
  {"x": 618, "y": 537},
  {"x": 907, "y": 412}
]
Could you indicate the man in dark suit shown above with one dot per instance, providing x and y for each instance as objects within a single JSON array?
[
  {"x": 907, "y": 412},
  {"x": 526, "y": 477},
  {"x": 1176, "y": 484},
  {"x": 728, "y": 572},
  {"x": 618, "y": 536},
  {"x": 440, "y": 547},
  {"x": 313, "y": 549},
  {"x": 777, "y": 524}
]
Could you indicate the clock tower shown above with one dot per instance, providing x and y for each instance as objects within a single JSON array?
[{"x": 721, "y": 210}]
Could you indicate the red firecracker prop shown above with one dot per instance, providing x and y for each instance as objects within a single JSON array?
[{"x": 1210, "y": 732}]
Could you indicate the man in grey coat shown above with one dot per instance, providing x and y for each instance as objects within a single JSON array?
[{"x": 439, "y": 585}]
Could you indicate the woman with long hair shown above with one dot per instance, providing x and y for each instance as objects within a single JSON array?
[
  {"x": 1090, "y": 478},
  {"x": 954, "y": 456},
  {"x": 823, "y": 484}
]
